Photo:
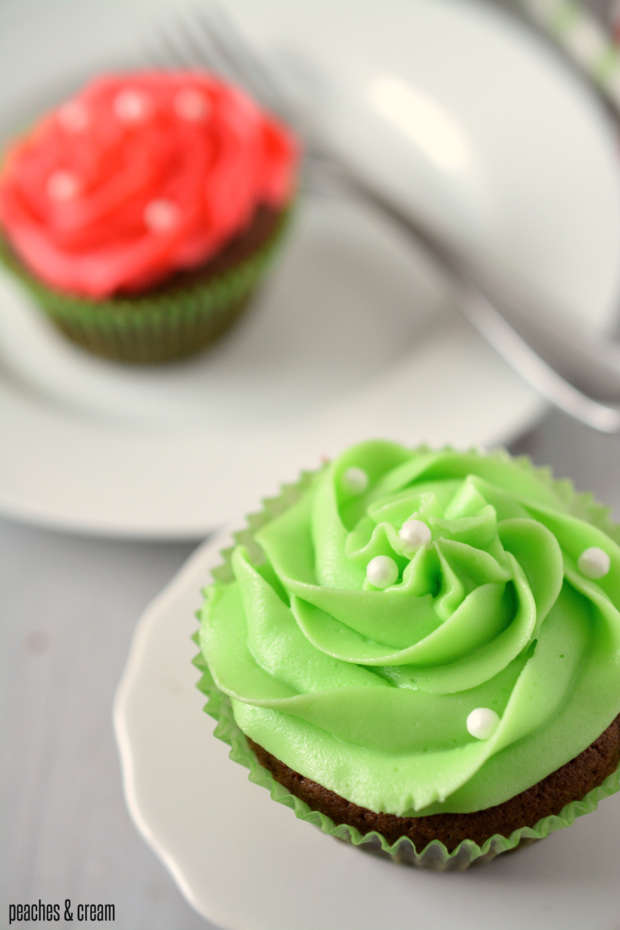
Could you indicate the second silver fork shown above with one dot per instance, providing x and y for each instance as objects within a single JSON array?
[{"x": 577, "y": 373}]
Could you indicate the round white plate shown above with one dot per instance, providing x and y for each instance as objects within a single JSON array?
[
  {"x": 246, "y": 863},
  {"x": 456, "y": 108}
]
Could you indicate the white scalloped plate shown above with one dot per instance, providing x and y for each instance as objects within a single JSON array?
[
  {"x": 246, "y": 863},
  {"x": 351, "y": 338}
]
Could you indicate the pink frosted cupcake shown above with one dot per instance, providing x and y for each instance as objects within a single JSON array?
[{"x": 142, "y": 213}]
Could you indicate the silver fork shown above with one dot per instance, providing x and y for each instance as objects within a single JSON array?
[{"x": 567, "y": 365}]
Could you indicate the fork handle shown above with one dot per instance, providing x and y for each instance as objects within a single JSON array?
[{"x": 558, "y": 358}]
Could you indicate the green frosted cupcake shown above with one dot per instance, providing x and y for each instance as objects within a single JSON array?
[
  {"x": 419, "y": 652},
  {"x": 142, "y": 213}
]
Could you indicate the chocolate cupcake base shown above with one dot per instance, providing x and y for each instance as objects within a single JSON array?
[
  {"x": 174, "y": 319},
  {"x": 161, "y": 343},
  {"x": 569, "y": 783},
  {"x": 416, "y": 841}
]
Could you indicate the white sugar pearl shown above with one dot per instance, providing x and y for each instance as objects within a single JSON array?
[
  {"x": 131, "y": 106},
  {"x": 190, "y": 104},
  {"x": 382, "y": 571},
  {"x": 415, "y": 533},
  {"x": 161, "y": 215},
  {"x": 73, "y": 116},
  {"x": 482, "y": 722},
  {"x": 594, "y": 562},
  {"x": 62, "y": 185},
  {"x": 355, "y": 480}
]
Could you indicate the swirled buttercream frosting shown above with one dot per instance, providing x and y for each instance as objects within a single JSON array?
[
  {"x": 139, "y": 176},
  {"x": 417, "y": 630}
]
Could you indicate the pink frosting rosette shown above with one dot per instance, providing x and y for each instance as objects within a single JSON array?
[{"x": 140, "y": 176}]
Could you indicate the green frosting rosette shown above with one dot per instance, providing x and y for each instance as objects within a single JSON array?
[{"x": 420, "y": 632}]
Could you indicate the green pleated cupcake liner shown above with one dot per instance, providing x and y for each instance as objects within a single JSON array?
[
  {"x": 157, "y": 327},
  {"x": 434, "y": 855}
]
